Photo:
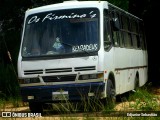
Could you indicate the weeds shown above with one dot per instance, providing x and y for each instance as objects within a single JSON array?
[
  {"x": 144, "y": 100},
  {"x": 10, "y": 103},
  {"x": 2, "y": 104}
]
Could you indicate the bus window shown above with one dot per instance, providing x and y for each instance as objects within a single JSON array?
[
  {"x": 121, "y": 40},
  {"x": 134, "y": 31},
  {"x": 127, "y": 35},
  {"x": 107, "y": 31},
  {"x": 116, "y": 36},
  {"x": 141, "y": 36}
]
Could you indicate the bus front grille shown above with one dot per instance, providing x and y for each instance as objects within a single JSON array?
[
  {"x": 59, "y": 78},
  {"x": 28, "y": 72},
  {"x": 86, "y": 68},
  {"x": 57, "y": 70}
]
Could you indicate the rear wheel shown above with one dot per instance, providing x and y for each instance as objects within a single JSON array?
[{"x": 136, "y": 84}]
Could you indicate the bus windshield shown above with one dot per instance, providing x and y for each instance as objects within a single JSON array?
[{"x": 61, "y": 32}]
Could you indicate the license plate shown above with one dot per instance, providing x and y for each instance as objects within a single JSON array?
[{"x": 63, "y": 95}]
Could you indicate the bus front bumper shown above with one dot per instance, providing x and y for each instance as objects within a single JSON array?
[{"x": 55, "y": 93}]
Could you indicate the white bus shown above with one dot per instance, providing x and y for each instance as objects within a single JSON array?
[{"x": 80, "y": 48}]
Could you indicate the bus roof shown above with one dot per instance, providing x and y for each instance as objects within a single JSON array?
[
  {"x": 66, "y": 5},
  {"x": 75, "y": 4},
  {"x": 124, "y": 11}
]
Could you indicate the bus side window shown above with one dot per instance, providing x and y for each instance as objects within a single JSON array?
[
  {"x": 121, "y": 36},
  {"x": 126, "y": 33},
  {"x": 107, "y": 31},
  {"x": 129, "y": 33},
  {"x": 116, "y": 36},
  {"x": 141, "y": 36},
  {"x": 134, "y": 30}
]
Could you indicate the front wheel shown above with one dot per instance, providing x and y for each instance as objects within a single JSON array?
[{"x": 111, "y": 95}]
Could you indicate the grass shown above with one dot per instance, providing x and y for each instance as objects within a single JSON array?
[
  {"x": 141, "y": 101},
  {"x": 144, "y": 100},
  {"x": 86, "y": 106},
  {"x": 11, "y": 103}
]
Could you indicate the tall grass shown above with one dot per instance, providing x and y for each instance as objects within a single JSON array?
[
  {"x": 87, "y": 106},
  {"x": 140, "y": 100}
]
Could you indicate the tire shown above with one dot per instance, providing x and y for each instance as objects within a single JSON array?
[
  {"x": 36, "y": 107},
  {"x": 111, "y": 95},
  {"x": 110, "y": 100},
  {"x": 136, "y": 84}
]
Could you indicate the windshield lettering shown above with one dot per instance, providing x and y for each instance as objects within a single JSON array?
[
  {"x": 92, "y": 14},
  {"x": 34, "y": 19},
  {"x": 52, "y": 16},
  {"x": 79, "y": 48}
]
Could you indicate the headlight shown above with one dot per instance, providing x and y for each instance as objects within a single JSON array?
[
  {"x": 85, "y": 77},
  {"x": 91, "y": 76},
  {"x": 29, "y": 80}
]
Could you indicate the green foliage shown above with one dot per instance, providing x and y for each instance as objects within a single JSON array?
[{"x": 144, "y": 100}]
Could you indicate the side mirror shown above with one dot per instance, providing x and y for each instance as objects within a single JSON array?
[{"x": 115, "y": 24}]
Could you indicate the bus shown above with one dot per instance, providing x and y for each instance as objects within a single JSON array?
[{"x": 75, "y": 49}]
